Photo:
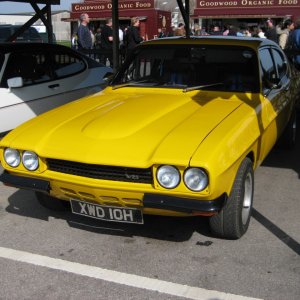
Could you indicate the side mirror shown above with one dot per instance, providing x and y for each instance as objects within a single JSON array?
[
  {"x": 271, "y": 82},
  {"x": 108, "y": 77},
  {"x": 271, "y": 85},
  {"x": 15, "y": 82}
]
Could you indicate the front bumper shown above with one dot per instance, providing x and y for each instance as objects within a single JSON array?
[
  {"x": 25, "y": 183},
  {"x": 149, "y": 201}
]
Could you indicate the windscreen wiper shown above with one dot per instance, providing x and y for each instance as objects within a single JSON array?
[{"x": 198, "y": 87}]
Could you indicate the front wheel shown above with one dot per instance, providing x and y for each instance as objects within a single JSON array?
[
  {"x": 233, "y": 220},
  {"x": 52, "y": 203}
]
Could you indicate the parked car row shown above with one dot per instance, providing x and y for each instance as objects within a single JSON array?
[
  {"x": 178, "y": 132},
  {"x": 35, "y": 78}
]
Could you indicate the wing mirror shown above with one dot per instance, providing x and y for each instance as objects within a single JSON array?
[
  {"x": 15, "y": 82},
  {"x": 271, "y": 85}
]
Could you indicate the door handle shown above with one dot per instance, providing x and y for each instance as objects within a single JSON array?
[{"x": 53, "y": 86}]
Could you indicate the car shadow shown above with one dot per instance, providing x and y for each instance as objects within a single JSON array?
[{"x": 175, "y": 229}]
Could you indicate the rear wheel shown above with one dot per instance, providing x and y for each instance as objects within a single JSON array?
[
  {"x": 233, "y": 220},
  {"x": 52, "y": 203}
]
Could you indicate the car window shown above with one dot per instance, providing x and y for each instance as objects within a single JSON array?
[
  {"x": 34, "y": 68},
  {"x": 268, "y": 68},
  {"x": 30, "y": 34},
  {"x": 65, "y": 64},
  {"x": 33, "y": 33},
  {"x": 280, "y": 63},
  {"x": 222, "y": 68}
]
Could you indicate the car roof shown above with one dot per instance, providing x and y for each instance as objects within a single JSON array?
[
  {"x": 225, "y": 40},
  {"x": 7, "y": 47}
]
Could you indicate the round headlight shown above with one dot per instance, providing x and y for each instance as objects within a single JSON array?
[
  {"x": 168, "y": 177},
  {"x": 30, "y": 160},
  {"x": 12, "y": 157},
  {"x": 195, "y": 179}
]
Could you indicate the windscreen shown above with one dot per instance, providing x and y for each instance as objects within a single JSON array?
[{"x": 217, "y": 67}]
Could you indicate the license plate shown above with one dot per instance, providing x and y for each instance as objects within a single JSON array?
[{"x": 107, "y": 213}]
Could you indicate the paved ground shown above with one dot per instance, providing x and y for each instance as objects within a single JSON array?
[{"x": 263, "y": 264}]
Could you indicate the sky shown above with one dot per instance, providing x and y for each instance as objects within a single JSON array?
[{"x": 7, "y": 7}]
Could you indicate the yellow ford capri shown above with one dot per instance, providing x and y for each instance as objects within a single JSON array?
[{"x": 179, "y": 131}]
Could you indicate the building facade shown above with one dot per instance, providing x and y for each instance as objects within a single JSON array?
[
  {"x": 151, "y": 18},
  {"x": 155, "y": 14},
  {"x": 244, "y": 12}
]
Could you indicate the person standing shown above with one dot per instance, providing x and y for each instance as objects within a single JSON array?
[
  {"x": 74, "y": 43},
  {"x": 293, "y": 43},
  {"x": 216, "y": 30},
  {"x": 271, "y": 32},
  {"x": 133, "y": 37},
  {"x": 287, "y": 27},
  {"x": 180, "y": 30},
  {"x": 161, "y": 33},
  {"x": 107, "y": 42},
  {"x": 93, "y": 38},
  {"x": 83, "y": 33},
  {"x": 98, "y": 38}
]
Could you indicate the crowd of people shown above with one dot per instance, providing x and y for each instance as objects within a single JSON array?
[
  {"x": 279, "y": 33},
  {"x": 86, "y": 39},
  {"x": 286, "y": 34}
]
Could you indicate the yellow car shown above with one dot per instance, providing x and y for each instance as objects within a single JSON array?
[{"x": 178, "y": 132}]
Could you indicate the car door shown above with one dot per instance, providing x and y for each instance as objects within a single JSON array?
[
  {"x": 275, "y": 80},
  {"x": 278, "y": 89},
  {"x": 35, "y": 96}
]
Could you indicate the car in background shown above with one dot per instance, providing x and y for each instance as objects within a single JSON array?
[
  {"x": 37, "y": 77},
  {"x": 178, "y": 132},
  {"x": 44, "y": 36},
  {"x": 42, "y": 30},
  {"x": 29, "y": 35}
]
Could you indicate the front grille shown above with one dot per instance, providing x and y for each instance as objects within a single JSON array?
[{"x": 101, "y": 172}]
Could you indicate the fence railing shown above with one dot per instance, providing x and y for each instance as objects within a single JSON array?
[{"x": 101, "y": 55}]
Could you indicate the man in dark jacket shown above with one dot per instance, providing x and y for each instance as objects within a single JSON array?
[
  {"x": 271, "y": 32},
  {"x": 84, "y": 35},
  {"x": 293, "y": 44},
  {"x": 107, "y": 42},
  {"x": 133, "y": 37}
]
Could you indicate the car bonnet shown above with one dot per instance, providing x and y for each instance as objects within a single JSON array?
[{"x": 130, "y": 129}]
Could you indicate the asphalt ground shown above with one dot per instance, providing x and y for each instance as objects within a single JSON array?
[{"x": 263, "y": 264}]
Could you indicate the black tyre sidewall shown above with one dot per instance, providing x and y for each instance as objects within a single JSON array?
[{"x": 228, "y": 222}]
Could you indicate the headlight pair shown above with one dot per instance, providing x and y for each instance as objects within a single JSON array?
[
  {"x": 194, "y": 178},
  {"x": 29, "y": 159}
]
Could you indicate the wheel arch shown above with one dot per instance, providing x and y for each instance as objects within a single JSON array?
[{"x": 251, "y": 156}]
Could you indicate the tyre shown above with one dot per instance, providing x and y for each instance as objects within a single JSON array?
[
  {"x": 233, "y": 220},
  {"x": 288, "y": 138},
  {"x": 52, "y": 203}
]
